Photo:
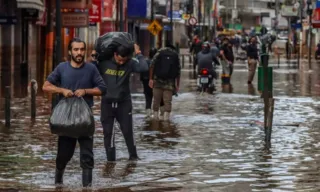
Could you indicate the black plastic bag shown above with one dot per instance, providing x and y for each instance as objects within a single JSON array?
[
  {"x": 107, "y": 44},
  {"x": 72, "y": 117}
]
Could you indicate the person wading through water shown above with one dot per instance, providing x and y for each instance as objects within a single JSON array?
[
  {"x": 75, "y": 78},
  {"x": 253, "y": 58},
  {"x": 144, "y": 77},
  {"x": 116, "y": 104},
  {"x": 165, "y": 78}
]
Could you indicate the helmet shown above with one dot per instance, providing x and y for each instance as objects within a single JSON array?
[{"x": 205, "y": 45}]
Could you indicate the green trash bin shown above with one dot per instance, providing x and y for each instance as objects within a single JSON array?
[{"x": 260, "y": 78}]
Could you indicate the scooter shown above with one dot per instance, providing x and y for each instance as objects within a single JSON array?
[{"x": 205, "y": 81}]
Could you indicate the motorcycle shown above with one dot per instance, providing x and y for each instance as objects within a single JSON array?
[{"x": 205, "y": 81}]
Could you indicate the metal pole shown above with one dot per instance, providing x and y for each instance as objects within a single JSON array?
[
  {"x": 58, "y": 34},
  {"x": 152, "y": 18},
  {"x": 277, "y": 16},
  {"x": 203, "y": 32},
  {"x": 214, "y": 29},
  {"x": 300, "y": 16},
  {"x": 310, "y": 41},
  {"x": 289, "y": 39},
  {"x": 57, "y": 48},
  {"x": 209, "y": 27},
  {"x": 121, "y": 15},
  {"x": 199, "y": 16},
  {"x": 233, "y": 16},
  {"x": 7, "y": 107},
  {"x": 171, "y": 21},
  {"x": 33, "y": 101}
]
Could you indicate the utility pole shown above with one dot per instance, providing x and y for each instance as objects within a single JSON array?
[
  {"x": 234, "y": 12},
  {"x": 57, "y": 48},
  {"x": 199, "y": 17},
  {"x": 152, "y": 18},
  {"x": 300, "y": 17},
  {"x": 289, "y": 3},
  {"x": 309, "y": 11},
  {"x": 203, "y": 33},
  {"x": 277, "y": 17},
  {"x": 121, "y": 15},
  {"x": 171, "y": 21},
  {"x": 214, "y": 27}
]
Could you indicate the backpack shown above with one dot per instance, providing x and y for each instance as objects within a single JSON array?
[{"x": 167, "y": 65}]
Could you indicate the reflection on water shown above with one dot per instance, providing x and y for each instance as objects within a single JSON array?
[
  {"x": 160, "y": 134},
  {"x": 251, "y": 89},
  {"x": 227, "y": 88},
  {"x": 213, "y": 143}
]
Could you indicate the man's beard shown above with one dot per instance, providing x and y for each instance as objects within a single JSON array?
[{"x": 77, "y": 59}]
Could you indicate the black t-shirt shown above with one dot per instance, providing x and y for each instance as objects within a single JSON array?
[
  {"x": 228, "y": 53},
  {"x": 85, "y": 77},
  {"x": 252, "y": 51}
]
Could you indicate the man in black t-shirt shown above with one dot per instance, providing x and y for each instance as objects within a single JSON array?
[
  {"x": 227, "y": 57},
  {"x": 75, "y": 78},
  {"x": 253, "y": 57}
]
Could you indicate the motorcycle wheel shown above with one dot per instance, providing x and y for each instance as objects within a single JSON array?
[{"x": 203, "y": 88}]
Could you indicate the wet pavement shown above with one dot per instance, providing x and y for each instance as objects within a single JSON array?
[{"x": 213, "y": 142}]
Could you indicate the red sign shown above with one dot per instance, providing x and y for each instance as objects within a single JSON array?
[
  {"x": 108, "y": 7},
  {"x": 192, "y": 21},
  {"x": 95, "y": 11},
  {"x": 316, "y": 18}
]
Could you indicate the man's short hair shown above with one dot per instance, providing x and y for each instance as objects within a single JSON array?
[
  {"x": 78, "y": 40},
  {"x": 124, "y": 51}
]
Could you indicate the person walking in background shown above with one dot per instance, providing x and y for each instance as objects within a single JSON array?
[
  {"x": 94, "y": 58},
  {"x": 164, "y": 78},
  {"x": 227, "y": 59},
  {"x": 195, "y": 48},
  {"x": 75, "y": 78},
  {"x": 253, "y": 57},
  {"x": 147, "y": 90}
]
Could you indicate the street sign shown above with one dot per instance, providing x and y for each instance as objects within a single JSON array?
[
  {"x": 186, "y": 16},
  {"x": 154, "y": 28},
  {"x": 192, "y": 21},
  {"x": 71, "y": 19}
]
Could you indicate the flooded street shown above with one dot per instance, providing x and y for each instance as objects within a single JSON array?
[{"x": 213, "y": 142}]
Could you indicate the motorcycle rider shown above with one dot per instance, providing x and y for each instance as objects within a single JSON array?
[
  {"x": 207, "y": 60},
  {"x": 195, "y": 49}
]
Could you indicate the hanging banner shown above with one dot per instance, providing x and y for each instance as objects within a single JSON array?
[
  {"x": 95, "y": 11},
  {"x": 215, "y": 8},
  {"x": 74, "y": 19}
]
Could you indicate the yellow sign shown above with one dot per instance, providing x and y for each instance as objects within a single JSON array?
[
  {"x": 154, "y": 28},
  {"x": 186, "y": 16}
]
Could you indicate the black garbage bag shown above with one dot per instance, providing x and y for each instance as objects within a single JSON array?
[
  {"x": 72, "y": 117},
  {"x": 107, "y": 44}
]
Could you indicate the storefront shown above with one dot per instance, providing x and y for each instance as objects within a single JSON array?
[{"x": 20, "y": 52}]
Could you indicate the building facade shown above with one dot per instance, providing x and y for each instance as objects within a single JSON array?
[
  {"x": 248, "y": 13},
  {"x": 22, "y": 30}
]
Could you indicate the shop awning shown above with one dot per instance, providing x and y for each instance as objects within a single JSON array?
[{"x": 30, "y": 4}]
